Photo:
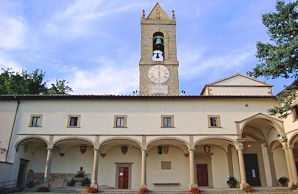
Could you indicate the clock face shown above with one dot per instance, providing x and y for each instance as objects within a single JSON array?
[{"x": 158, "y": 74}]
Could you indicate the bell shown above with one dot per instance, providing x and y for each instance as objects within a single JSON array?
[{"x": 158, "y": 40}]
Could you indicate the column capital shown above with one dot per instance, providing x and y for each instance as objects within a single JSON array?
[
  {"x": 144, "y": 149},
  {"x": 96, "y": 149},
  {"x": 191, "y": 149},
  {"x": 239, "y": 146}
]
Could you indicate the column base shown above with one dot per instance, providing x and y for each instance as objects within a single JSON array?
[
  {"x": 243, "y": 185},
  {"x": 94, "y": 185},
  {"x": 191, "y": 186}
]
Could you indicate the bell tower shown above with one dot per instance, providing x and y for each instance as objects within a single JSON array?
[{"x": 158, "y": 64}]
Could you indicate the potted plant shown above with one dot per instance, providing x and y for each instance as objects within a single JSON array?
[
  {"x": 283, "y": 181},
  {"x": 194, "y": 189},
  {"x": 232, "y": 182}
]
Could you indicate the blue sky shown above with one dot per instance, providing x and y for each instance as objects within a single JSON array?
[{"x": 95, "y": 44}]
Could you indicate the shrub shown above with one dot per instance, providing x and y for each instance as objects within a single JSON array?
[
  {"x": 71, "y": 183},
  {"x": 86, "y": 182},
  {"x": 283, "y": 180},
  {"x": 43, "y": 189},
  {"x": 92, "y": 190},
  {"x": 232, "y": 182}
]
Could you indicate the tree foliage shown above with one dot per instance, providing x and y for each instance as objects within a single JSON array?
[
  {"x": 24, "y": 82},
  {"x": 279, "y": 57}
]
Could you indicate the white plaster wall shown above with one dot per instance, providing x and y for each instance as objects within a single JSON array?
[
  {"x": 72, "y": 160},
  {"x": 37, "y": 159},
  {"x": 220, "y": 172},
  {"x": 238, "y": 91},
  {"x": 7, "y": 113},
  {"x": 240, "y": 80},
  {"x": 290, "y": 125},
  {"x": 143, "y": 116},
  {"x": 280, "y": 163},
  {"x": 179, "y": 172},
  {"x": 107, "y": 166}
]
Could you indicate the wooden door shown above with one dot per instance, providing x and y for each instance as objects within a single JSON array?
[
  {"x": 22, "y": 174},
  {"x": 123, "y": 176},
  {"x": 202, "y": 174},
  {"x": 252, "y": 169}
]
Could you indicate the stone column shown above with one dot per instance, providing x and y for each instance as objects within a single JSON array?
[
  {"x": 286, "y": 149},
  {"x": 230, "y": 161},
  {"x": 95, "y": 168},
  {"x": 243, "y": 182},
  {"x": 143, "y": 168},
  {"x": 47, "y": 170},
  {"x": 272, "y": 168},
  {"x": 191, "y": 168},
  {"x": 293, "y": 165}
]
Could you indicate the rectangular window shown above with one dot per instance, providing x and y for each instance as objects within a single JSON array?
[
  {"x": 120, "y": 121},
  {"x": 159, "y": 149},
  {"x": 35, "y": 121},
  {"x": 167, "y": 121},
  {"x": 214, "y": 121},
  {"x": 73, "y": 121}
]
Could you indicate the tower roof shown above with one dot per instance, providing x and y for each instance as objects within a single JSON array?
[{"x": 157, "y": 13}]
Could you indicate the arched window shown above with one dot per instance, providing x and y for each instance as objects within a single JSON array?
[{"x": 158, "y": 47}]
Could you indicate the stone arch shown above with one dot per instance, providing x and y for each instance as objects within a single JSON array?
[
  {"x": 168, "y": 138},
  {"x": 31, "y": 137},
  {"x": 121, "y": 138},
  {"x": 71, "y": 138},
  {"x": 233, "y": 142},
  {"x": 293, "y": 138},
  {"x": 275, "y": 123}
]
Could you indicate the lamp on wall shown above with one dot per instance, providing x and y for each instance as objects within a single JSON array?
[{"x": 207, "y": 149}]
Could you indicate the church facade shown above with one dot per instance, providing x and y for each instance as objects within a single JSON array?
[{"x": 158, "y": 139}]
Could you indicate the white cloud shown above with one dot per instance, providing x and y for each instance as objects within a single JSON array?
[
  {"x": 78, "y": 19},
  {"x": 106, "y": 80},
  {"x": 198, "y": 65},
  {"x": 12, "y": 30},
  {"x": 7, "y": 62}
]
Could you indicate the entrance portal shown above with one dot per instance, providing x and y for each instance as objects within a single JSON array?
[
  {"x": 123, "y": 176},
  {"x": 252, "y": 169},
  {"x": 202, "y": 174}
]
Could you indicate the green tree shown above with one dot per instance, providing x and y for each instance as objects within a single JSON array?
[
  {"x": 279, "y": 57},
  {"x": 29, "y": 83}
]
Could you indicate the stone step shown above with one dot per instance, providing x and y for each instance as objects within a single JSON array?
[{"x": 276, "y": 190}]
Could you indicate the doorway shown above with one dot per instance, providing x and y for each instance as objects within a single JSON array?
[
  {"x": 202, "y": 175},
  {"x": 22, "y": 173},
  {"x": 123, "y": 176},
  {"x": 252, "y": 169}
]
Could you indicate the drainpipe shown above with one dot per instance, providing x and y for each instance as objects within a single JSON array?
[{"x": 12, "y": 129}]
